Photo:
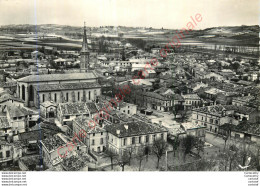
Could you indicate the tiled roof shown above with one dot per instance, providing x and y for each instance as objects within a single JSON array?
[
  {"x": 244, "y": 98},
  {"x": 4, "y": 123},
  {"x": 67, "y": 86},
  {"x": 53, "y": 142},
  {"x": 156, "y": 96},
  {"x": 190, "y": 125},
  {"x": 190, "y": 96},
  {"x": 87, "y": 125},
  {"x": 48, "y": 103},
  {"x": 135, "y": 128},
  {"x": 251, "y": 128},
  {"x": 19, "y": 111},
  {"x": 78, "y": 108},
  {"x": 217, "y": 109},
  {"x": 58, "y": 77},
  {"x": 7, "y": 97}
]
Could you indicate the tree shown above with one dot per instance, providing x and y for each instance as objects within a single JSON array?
[
  {"x": 235, "y": 66},
  {"x": 229, "y": 157},
  {"x": 123, "y": 160},
  {"x": 109, "y": 153},
  {"x": 199, "y": 145},
  {"x": 140, "y": 155},
  {"x": 130, "y": 152},
  {"x": 175, "y": 145},
  {"x": 188, "y": 143},
  {"x": 159, "y": 148},
  {"x": 227, "y": 133},
  {"x": 183, "y": 114}
]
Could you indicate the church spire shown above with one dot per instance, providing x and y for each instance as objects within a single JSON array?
[
  {"x": 85, "y": 40},
  {"x": 84, "y": 53}
]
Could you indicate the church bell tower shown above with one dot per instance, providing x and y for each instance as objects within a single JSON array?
[{"x": 84, "y": 53}]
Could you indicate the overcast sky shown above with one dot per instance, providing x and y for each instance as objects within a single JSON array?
[{"x": 154, "y": 13}]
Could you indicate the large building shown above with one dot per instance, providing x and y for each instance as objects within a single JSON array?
[
  {"x": 73, "y": 87},
  {"x": 122, "y": 137}
]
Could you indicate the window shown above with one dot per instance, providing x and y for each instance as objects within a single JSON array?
[
  {"x": 124, "y": 142},
  {"x": 7, "y": 153},
  {"x": 67, "y": 96},
  {"x": 211, "y": 120},
  {"x": 89, "y": 96},
  {"x": 101, "y": 141},
  {"x": 140, "y": 139},
  {"x": 93, "y": 142},
  {"x": 133, "y": 140},
  {"x": 93, "y": 134},
  {"x": 162, "y": 136},
  {"x": 43, "y": 98},
  {"x": 128, "y": 112},
  {"x": 153, "y": 138},
  {"x": 147, "y": 139},
  {"x": 78, "y": 96},
  {"x": 101, "y": 133},
  {"x": 67, "y": 117},
  {"x": 216, "y": 121},
  {"x": 1, "y": 155},
  {"x": 197, "y": 116},
  {"x": 55, "y": 97},
  {"x": 201, "y": 118},
  {"x": 0, "y": 147}
]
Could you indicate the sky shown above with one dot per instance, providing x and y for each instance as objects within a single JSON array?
[{"x": 137, "y": 13}]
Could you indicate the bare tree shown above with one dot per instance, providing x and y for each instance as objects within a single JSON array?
[
  {"x": 199, "y": 145},
  {"x": 183, "y": 114},
  {"x": 123, "y": 160},
  {"x": 130, "y": 152},
  {"x": 140, "y": 156},
  {"x": 159, "y": 148},
  {"x": 175, "y": 145},
  {"x": 229, "y": 157},
  {"x": 187, "y": 144},
  {"x": 109, "y": 153}
]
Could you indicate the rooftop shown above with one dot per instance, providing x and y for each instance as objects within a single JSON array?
[
  {"x": 4, "y": 123},
  {"x": 78, "y": 108},
  {"x": 58, "y": 77},
  {"x": 135, "y": 128},
  {"x": 67, "y": 86},
  {"x": 53, "y": 142}
]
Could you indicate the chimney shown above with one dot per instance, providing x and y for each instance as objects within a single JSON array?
[
  {"x": 117, "y": 131},
  {"x": 126, "y": 127}
]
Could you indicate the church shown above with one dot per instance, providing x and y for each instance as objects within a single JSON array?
[{"x": 60, "y": 88}]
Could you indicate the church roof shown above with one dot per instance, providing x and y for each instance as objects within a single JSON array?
[
  {"x": 58, "y": 77},
  {"x": 67, "y": 86}
]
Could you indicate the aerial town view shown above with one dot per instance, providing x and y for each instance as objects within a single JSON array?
[{"x": 130, "y": 98}]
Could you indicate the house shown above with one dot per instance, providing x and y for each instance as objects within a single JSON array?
[
  {"x": 96, "y": 137},
  {"x": 37, "y": 55},
  {"x": 9, "y": 152},
  {"x": 242, "y": 101},
  {"x": 5, "y": 128},
  {"x": 67, "y": 112},
  {"x": 214, "y": 116},
  {"x": 194, "y": 129},
  {"x": 123, "y": 137},
  {"x": 54, "y": 148},
  {"x": 191, "y": 101},
  {"x": 214, "y": 76},
  {"x": 157, "y": 101},
  {"x": 21, "y": 118},
  {"x": 48, "y": 109}
]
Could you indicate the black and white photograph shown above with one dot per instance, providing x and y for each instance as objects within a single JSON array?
[{"x": 144, "y": 87}]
